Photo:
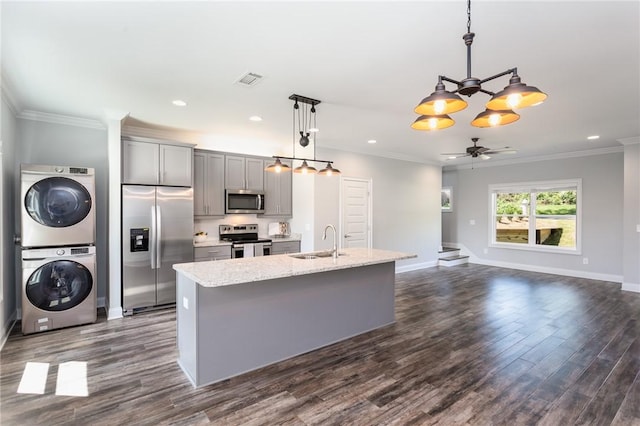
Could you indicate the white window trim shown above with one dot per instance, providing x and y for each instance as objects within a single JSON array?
[{"x": 529, "y": 187}]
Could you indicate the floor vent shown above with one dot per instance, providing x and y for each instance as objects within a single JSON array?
[{"x": 249, "y": 79}]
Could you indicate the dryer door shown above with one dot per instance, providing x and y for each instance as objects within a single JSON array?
[
  {"x": 59, "y": 285},
  {"x": 57, "y": 202}
]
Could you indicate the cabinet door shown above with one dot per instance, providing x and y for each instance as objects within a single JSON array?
[
  {"x": 234, "y": 172},
  {"x": 140, "y": 163},
  {"x": 254, "y": 169},
  {"x": 215, "y": 184},
  {"x": 277, "y": 192},
  {"x": 286, "y": 194},
  {"x": 175, "y": 165},
  {"x": 271, "y": 192},
  {"x": 199, "y": 184}
]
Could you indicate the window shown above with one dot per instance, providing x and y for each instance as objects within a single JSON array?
[{"x": 543, "y": 216}]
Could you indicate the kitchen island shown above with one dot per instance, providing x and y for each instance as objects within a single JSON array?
[{"x": 237, "y": 315}]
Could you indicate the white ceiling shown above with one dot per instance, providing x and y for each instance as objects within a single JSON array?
[{"x": 369, "y": 63}]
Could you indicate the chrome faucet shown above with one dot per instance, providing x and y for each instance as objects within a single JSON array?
[{"x": 334, "y": 251}]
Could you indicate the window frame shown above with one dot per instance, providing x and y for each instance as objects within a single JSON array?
[{"x": 533, "y": 188}]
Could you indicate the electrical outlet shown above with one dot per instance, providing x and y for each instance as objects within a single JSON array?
[
  {"x": 485, "y": 251},
  {"x": 585, "y": 260}
]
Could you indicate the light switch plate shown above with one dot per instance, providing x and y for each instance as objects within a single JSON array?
[
  {"x": 638, "y": 228},
  {"x": 185, "y": 303},
  {"x": 472, "y": 222}
]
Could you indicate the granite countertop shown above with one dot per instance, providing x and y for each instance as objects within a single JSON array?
[{"x": 237, "y": 271}]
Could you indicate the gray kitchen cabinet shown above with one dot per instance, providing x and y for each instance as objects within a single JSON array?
[
  {"x": 202, "y": 254},
  {"x": 277, "y": 192},
  {"x": 155, "y": 163},
  {"x": 285, "y": 247},
  {"x": 208, "y": 183},
  {"x": 244, "y": 173}
]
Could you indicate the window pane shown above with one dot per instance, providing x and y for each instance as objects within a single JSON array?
[
  {"x": 556, "y": 231},
  {"x": 556, "y": 203},
  {"x": 512, "y": 217},
  {"x": 556, "y": 218}
]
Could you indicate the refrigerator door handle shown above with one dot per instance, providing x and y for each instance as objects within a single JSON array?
[
  {"x": 158, "y": 236},
  {"x": 152, "y": 238}
]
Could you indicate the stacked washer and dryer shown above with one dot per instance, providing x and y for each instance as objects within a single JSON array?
[{"x": 58, "y": 247}]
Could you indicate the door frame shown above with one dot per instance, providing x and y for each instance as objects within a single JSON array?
[{"x": 369, "y": 183}]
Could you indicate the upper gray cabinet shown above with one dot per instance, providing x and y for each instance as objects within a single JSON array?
[
  {"x": 156, "y": 163},
  {"x": 277, "y": 192},
  {"x": 208, "y": 183},
  {"x": 244, "y": 173}
]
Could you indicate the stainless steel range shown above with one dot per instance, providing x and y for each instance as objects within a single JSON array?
[{"x": 244, "y": 240}]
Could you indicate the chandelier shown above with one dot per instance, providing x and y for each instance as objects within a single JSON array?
[
  {"x": 307, "y": 124},
  {"x": 434, "y": 109}
]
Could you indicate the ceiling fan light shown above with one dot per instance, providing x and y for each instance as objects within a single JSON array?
[
  {"x": 305, "y": 169},
  {"x": 516, "y": 95},
  {"x": 329, "y": 171},
  {"x": 432, "y": 122},
  {"x": 491, "y": 118},
  {"x": 441, "y": 102}
]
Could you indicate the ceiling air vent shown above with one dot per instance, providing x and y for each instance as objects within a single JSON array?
[{"x": 249, "y": 79}]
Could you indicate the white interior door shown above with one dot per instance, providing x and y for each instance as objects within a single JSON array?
[{"x": 355, "y": 225}]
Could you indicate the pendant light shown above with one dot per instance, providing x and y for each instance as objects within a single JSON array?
[
  {"x": 329, "y": 171},
  {"x": 434, "y": 109},
  {"x": 304, "y": 117}
]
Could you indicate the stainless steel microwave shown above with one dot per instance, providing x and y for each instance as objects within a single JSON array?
[{"x": 244, "y": 201}]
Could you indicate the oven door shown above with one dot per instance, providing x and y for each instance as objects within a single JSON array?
[{"x": 237, "y": 251}]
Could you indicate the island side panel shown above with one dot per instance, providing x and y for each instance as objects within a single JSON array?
[
  {"x": 247, "y": 326},
  {"x": 186, "y": 325}
]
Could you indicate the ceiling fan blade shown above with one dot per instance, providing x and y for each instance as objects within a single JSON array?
[
  {"x": 501, "y": 151},
  {"x": 484, "y": 156},
  {"x": 457, "y": 154}
]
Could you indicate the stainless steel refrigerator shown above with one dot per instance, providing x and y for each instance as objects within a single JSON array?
[{"x": 157, "y": 232}]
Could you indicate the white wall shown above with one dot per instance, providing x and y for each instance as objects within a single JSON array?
[
  {"x": 8, "y": 251},
  {"x": 602, "y": 205},
  {"x": 406, "y": 204},
  {"x": 66, "y": 145},
  {"x": 631, "y": 225}
]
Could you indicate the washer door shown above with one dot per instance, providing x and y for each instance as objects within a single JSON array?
[
  {"x": 59, "y": 285},
  {"x": 57, "y": 202}
]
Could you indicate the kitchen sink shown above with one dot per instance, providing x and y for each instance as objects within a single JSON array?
[{"x": 314, "y": 255}]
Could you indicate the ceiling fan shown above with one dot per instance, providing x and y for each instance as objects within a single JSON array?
[{"x": 476, "y": 151}]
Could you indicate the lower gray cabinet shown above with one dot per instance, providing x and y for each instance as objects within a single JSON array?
[
  {"x": 285, "y": 247},
  {"x": 201, "y": 254}
]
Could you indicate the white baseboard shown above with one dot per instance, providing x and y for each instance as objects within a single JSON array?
[
  {"x": 547, "y": 270},
  {"x": 634, "y": 287},
  {"x": 415, "y": 266},
  {"x": 114, "y": 313}
]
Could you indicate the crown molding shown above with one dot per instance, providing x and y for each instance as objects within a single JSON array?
[
  {"x": 6, "y": 89},
  {"x": 61, "y": 119},
  {"x": 630, "y": 141},
  {"x": 533, "y": 159}
]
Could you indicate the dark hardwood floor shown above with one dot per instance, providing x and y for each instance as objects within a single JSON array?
[{"x": 472, "y": 345}]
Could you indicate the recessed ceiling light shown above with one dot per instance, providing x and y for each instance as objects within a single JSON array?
[
  {"x": 593, "y": 137},
  {"x": 255, "y": 118},
  {"x": 179, "y": 102},
  {"x": 372, "y": 141}
]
